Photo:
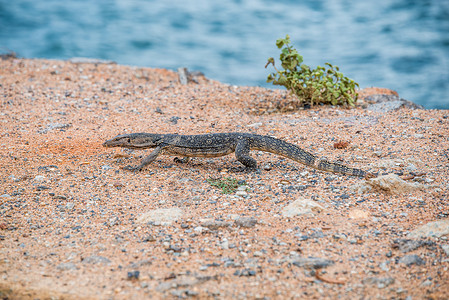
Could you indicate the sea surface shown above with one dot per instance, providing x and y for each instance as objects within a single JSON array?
[{"x": 397, "y": 44}]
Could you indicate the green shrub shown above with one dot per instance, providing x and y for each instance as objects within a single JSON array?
[
  {"x": 311, "y": 85},
  {"x": 227, "y": 185}
]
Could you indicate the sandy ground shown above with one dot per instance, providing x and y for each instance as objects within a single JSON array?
[{"x": 75, "y": 225}]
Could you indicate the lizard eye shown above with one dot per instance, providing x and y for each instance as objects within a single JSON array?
[{"x": 129, "y": 140}]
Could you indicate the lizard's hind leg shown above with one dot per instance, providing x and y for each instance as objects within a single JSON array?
[{"x": 242, "y": 154}]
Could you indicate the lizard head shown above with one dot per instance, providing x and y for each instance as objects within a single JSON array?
[{"x": 134, "y": 141}]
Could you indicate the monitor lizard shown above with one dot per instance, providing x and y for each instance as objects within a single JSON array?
[{"x": 220, "y": 144}]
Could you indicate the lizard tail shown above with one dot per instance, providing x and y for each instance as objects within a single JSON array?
[{"x": 302, "y": 156}]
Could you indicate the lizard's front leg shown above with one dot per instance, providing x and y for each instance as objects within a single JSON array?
[{"x": 147, "y": 160}]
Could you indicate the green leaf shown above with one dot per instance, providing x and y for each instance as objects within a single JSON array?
[{"x": 280, "y": 43}]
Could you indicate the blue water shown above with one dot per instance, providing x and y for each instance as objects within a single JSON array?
[{"x": 397, "y": 44}]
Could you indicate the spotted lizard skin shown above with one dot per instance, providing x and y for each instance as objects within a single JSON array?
[{"x": 220, "y": 144}]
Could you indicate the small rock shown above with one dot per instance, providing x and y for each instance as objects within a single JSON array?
[
  {"x": 411, "y": 168},
  {"x": 118, "y": 184},
  {"x": 53, "y": 126},
  {"x": 255, "y": 125},
  {"x": 214, "y": 225},
  {"x": 96, "y": 259},
  {"x": 246, "y": 222},
  {"x": 266, "y": 167},
  {"x": 183, "y": 281},
  {"x": 301, "y": 206},
  {"x": 39, "y": 178},
  {"x": 432, "y": 229},
  {"x": 224, "y": 244},
  {"x": 426, "y": 283},
  {"x": 380, "y": 282},
  {"x": 390, "y": 183},
  {"x": 148, "y": 238},
  {"x": 66, "y": 266},
  {"x": 312, "y": 262},
  {"x": 241, "y": 193},
  {"x": 384, "y": 266},
  {"x": 245, "y": 272},
  {"x": 200, "y": 229},
  {"x": 407, "y": 245},
  {"x": 411, "y": 259},
  {"x": 385, "y": 103},
  {"x": 133, "y": 275},
  {"x": 174, "y": 120},
  {"x": 378, "y": 153},
  {"x": 70, "y": 205},
  {"x": 113, "y": 221},
  {"x": 137, "y": 264},
  {"x": 357, "y": 214},
  {"x": 445, "y": 249},
  {"x": 242, "y": 187},
  {"x": 161, "y": 216},
  {"x": 42, "y": 188}
]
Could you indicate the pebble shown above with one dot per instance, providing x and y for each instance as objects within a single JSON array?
[
  {"x": 200, "y": 229},
  {"x": 224, "y": 244},
  {"x": 113, "y": 221},
  {"x": 242, "y": 188},
  {"x": 133, "y": 275},
  {"x": 445, "y": 249},
  {"x": 148, "y": 238},
  {"x": 266, "y": 167},
  {"x": 390, "y": 183},
  {"x": 426, "y": 283},
  {"x": 95, "y": 259},
  {"x": 70, "y": 205},
  {"x": 432, "y": 229},
  {"x": 245, "y": 272},
  {"x": 39, "y": 178},
  {"x": 174, "y": 120},
  {"x": 241, "y": 193},
  {"x": 214, "y": 225},
  {"x": 66, "y": 266},
  {"x": 301, "y": 206},
  {"x": 255, "y": 125},
  {"x": 246, "y": 222},
  {"x": 411, "y": 259},
  {"x": 381, "y": 282},
  {"x": 311, "y": 262},
  {"x": 407, "y": 245},
  {"x": 161, "y": 216},
  {"x": 384, "y": 265},
  {"x": 411, "y": 168},
  {"x": 378, "y": 153}
]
